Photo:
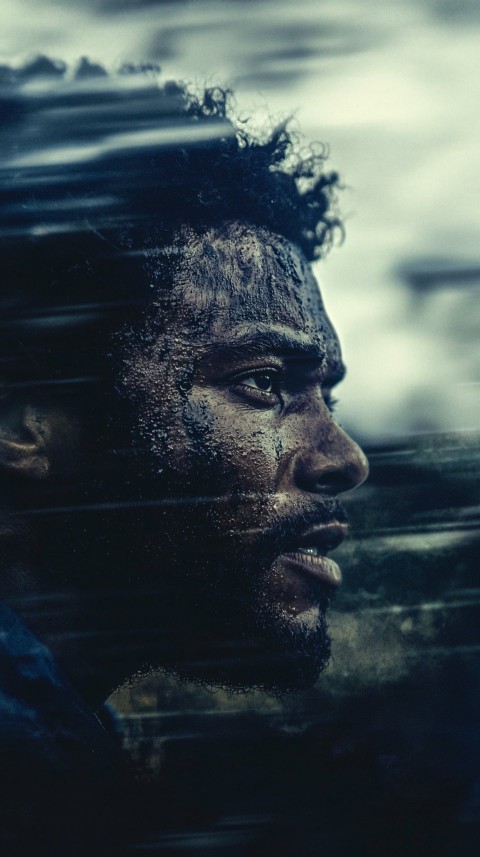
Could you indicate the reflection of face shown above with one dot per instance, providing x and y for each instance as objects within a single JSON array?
[{"x": 231, "y": 377}]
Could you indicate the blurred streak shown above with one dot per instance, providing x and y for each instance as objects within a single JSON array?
[
  {"x": 133, "y": 141},
  {"x": 143, "y": 504},
  {"x": 70, "y": 150}
]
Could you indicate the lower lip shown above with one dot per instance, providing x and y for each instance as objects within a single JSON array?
[{"x": 322, "y": 568}]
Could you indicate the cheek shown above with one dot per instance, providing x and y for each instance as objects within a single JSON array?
[{"x": 238, "y": 445}]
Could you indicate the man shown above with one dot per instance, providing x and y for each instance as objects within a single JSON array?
[{"x": 170, "y": 458}]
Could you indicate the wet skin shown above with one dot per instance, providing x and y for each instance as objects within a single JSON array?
[{"x": 231, "y": 375}]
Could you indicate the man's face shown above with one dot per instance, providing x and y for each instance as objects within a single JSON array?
[{"x": 231, "y": 377}]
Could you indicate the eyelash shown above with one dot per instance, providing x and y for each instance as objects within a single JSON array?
[
  {"x": 331, "y": 403},
  {"x": 270, "y": 397}
]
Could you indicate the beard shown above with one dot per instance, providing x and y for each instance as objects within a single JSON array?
[
  {"x": 206, "y": 560},
  {"x": 258, "y": 647},
  {"x": 222, "y": 621},
  {"x": 188, "y": 586}
]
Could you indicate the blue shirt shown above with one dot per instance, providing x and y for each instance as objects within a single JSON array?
[{"x": 62, "y": 777}]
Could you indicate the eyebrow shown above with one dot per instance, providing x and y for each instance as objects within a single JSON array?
[{"x": 290, "y": 345}]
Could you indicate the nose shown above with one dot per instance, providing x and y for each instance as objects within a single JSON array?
[{"x": 334, "y": 463}]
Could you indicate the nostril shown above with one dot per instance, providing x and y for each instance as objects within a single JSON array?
[
  {"x": 335, "y": 482},
  {"x": 329, "y": 481}
]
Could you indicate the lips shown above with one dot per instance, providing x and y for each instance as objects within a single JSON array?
[{"x": 308, "y": 555}]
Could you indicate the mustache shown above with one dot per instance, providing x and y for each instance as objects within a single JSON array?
[{"x": 291, "y": 524}]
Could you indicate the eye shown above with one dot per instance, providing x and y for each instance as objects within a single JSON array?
[
  {"x": 261, "y": 386},
  {"x": 263, "y": 381}
]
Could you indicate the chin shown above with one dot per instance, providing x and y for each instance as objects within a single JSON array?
[
  {"x": 247, "y": 634},
  {"x": 281, "y": 655},
  {"x": 298, "y": 649}
]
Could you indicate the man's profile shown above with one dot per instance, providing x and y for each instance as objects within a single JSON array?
[{"x": 169, "y": 456}]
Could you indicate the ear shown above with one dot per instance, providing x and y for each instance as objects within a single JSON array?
[{"x": 25, "y": 440}]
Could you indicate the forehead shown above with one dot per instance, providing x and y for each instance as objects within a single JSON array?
[{"x": 239, "y": 276}]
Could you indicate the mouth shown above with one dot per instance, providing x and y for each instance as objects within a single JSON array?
[{"x": 309, "y": 554}]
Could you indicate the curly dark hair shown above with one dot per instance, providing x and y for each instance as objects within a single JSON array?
[
  {"x": 126, "y": 147},
  {"x": 97, "y": 170},
  {"x": 270, "y": 182}
]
